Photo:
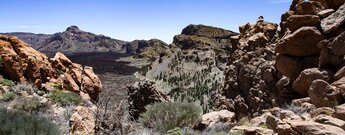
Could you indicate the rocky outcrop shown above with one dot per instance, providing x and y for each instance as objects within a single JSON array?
[
  {"x": 312, "y": 48},
  {"x": 82, "y": 121},
  {"x": 201, "y": 36},
  {"x": 23, "y": 64},
  {"x": 151, "y": 49},
  {"x": 141, "y": 94},
  {"x": 211, "y": 119},
  {"x": 250, "y": 80}
]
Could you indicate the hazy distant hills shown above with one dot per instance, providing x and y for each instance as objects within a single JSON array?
[{"x": 73, "y": 40}]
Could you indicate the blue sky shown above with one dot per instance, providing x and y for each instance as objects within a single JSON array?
[{"x": 134, "y": 19}]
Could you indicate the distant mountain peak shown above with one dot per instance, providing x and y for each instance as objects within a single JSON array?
[{"x": 73, "y": 28}]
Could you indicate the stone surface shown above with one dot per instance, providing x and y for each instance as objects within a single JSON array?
[
  {"x": 141, "y": 94},
  {"x": 314, "y": 128},
  {"x": 304, "y": 80},
  {"x": 291, "y": 67},
  {"x": 252, "y": 130},
  {"x": 82, "y": 121},
  {"x": 332, "y": 23},
  {"x": 325, "y": 119},
  {"x": 337, "y": 46},
  {"x": 324, "y": 95},
  {"x": 212, "y": 118},
  {"x": 339, "y": 112},
  {"x": 301, "y": 43},
  {"x": 295, "y": 22}
]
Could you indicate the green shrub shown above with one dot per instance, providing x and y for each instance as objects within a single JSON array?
[
  {"x": 165, "y": 116},
  {"x": 20, "y": 123},
  {"x": 8, "y": 96},
  {"x": 28, "y": 104},
  {"x": 185, "y": 131},
  {"x": 65, "y": 97},
  {"x": 29, "y": 88},
  {"x": 7, "y": 82}
]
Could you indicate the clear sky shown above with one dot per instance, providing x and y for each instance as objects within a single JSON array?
[{"x": 134, "y": 19}]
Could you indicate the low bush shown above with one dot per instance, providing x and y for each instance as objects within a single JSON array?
[
  {"x": 65, "y": 97},
  {"x": 20, "y": 123},
  {"x": 7, "y": 82},
  {"x": 28, "y": 104},
  {"x": 29, "y": 88},
  {"x": 8, "y": 96},
  {"x": 165, "y": 116}
]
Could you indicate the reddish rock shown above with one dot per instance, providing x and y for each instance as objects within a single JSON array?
[
  {"x": 333, "y": 23},
  {"x": 291, "y": 67},
  {"x": 301, "y": 43},
  {"x": 324, "y": 95},
  {"x": 295, "y": 22},
  {"x": 304, "y": 80}
]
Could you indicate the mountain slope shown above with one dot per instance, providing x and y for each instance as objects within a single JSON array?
[{"x": 73, "y": 40}]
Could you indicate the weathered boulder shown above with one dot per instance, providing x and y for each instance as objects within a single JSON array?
[
  {"x": 82, "y": 121},
  {"x": 337, "y": 46},
  {"x": 324, "y": 95},
  {"x": 333, "y": 23},
  {"x": 303, "y": 42},
  {"x": 212, "y": 118},
  {"x": 325, "y": 13},
  {"x": 304, "y": 80},
  {"x": 314, "y": 128},
  {"x": 325, "y": 119},
  {"x": 141, "y": 94},
  {"x": 309, "y": 8},
  {"x": 291, "y": 67},
  {"x": 339, "y": 112},
  {"x": 252, "y": 130},
  {"x": 295, "y": 22},
  {"x": 340, "y": 86}
]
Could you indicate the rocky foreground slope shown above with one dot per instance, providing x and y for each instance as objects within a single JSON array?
[{"x": 287, "y": 81}]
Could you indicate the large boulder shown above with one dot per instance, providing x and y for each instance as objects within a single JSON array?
[
  {"x": 291, "y": 67},
  {"x": 339, "y": 112},
  {"x": 303, "y": 42},
  {"x": 323, "y": 94},
  {"x": 325, "y": 119},
  {"x": 304, "y": 80},
  {"x": 314, "y": 128},
  {"x": 246, "y": 130},
  {"x": 337, "y": 46},
  {"x": 332, "y": 24},
  {"x": 141, "y": 94},
  {"x": 295, "y": 22},
  {"x": 213, "y": 118}
]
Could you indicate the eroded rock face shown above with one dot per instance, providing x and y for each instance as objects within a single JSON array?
[
  {"x": 250, "y": 79},
  {"x": 141, "y": 94},
  {"x": 82, "y": 121},
  {"x": 332, "y": 24},
  {"x": 23, "y": 64},
  {"x": 301, "y": 43}
]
